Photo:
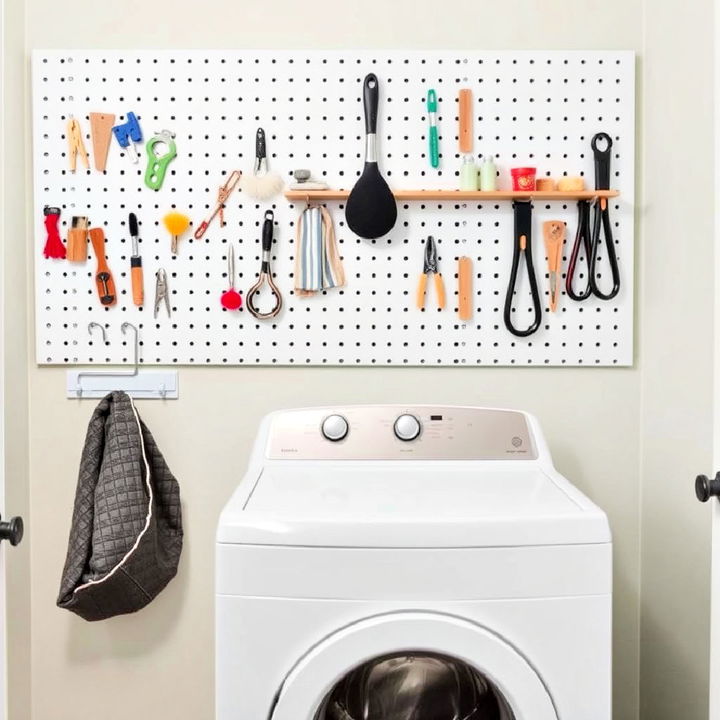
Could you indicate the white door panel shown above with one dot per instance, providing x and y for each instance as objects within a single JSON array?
[{"x": 706, "y": 487}]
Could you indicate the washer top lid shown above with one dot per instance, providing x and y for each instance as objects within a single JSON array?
[{"x": 410, "y": 505}]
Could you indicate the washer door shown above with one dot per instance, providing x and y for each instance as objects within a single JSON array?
[{"x": 310, "y": 688}]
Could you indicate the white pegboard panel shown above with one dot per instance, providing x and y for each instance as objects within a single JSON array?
[{"x": 537, "y": 108}]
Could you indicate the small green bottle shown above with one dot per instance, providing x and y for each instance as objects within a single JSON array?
[
  {"x": 468, "y": 174},
  {"x": 488, "y": 175}
]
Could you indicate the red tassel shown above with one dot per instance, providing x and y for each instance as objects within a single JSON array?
[{"x": 54, "y": 246}]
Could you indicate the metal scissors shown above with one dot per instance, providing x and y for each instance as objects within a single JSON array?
[
  {"x": 161, "y": 292},
  {"x": 430, "y": 266}
]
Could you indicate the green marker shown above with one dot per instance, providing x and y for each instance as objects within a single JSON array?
[{"x": 433, "y": 131}]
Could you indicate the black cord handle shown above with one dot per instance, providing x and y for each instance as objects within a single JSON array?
[
  {"x": 583, "y": 239},
  {"x": 601, "y": 220},
  {"x": 522, "y": 243}
]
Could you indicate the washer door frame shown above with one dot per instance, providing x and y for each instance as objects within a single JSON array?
[{"x": 314, "y": 675}]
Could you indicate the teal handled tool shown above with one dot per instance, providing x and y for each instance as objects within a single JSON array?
[
  {"x": 432, "y": 128},
  {"x": 157, "y": 164}
]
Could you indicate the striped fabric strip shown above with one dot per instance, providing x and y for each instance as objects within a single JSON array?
[{"x": 317, "y": 263}]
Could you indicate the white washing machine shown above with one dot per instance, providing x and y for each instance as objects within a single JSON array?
[{"x": 410, "y": 563}]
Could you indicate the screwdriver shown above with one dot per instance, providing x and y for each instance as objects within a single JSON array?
[{"x": 136, "y": 271}]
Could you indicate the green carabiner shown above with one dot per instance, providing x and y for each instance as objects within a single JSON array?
[{"x": 157, "y": 166}]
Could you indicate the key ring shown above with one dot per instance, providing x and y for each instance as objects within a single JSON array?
[{"x": 265, "y": 274}]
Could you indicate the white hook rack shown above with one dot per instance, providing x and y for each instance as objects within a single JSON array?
[{"x": 140, "y": 384}]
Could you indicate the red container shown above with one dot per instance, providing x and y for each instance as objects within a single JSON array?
[{"x": 523, "y": 178}]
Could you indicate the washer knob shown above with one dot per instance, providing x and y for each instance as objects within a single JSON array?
[
  {"x": 407, "y": 427},
  {"x": 334, "y": 428}
]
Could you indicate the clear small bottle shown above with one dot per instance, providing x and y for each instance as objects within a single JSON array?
[
  {"x": 468, "y": 174},
  {"x": 488, "y": 174}
]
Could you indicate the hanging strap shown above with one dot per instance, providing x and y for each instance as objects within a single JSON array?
[
  {"x": 522, "y": 247},
  {"x": 317, "y": 261}
]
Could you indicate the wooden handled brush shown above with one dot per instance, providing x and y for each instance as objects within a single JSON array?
[{"x": 103, "y": 277}]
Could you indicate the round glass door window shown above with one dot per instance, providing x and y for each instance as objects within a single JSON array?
[{"x": 414, "y": 686}]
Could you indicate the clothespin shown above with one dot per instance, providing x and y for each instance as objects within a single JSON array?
[
  {"x": 127, "y": 134},
  {"x": 554, "y": 236},
  {"x": 76, "y": 146}
]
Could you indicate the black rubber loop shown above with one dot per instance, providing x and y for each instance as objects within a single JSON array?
[{"x": 523, "y": 226}]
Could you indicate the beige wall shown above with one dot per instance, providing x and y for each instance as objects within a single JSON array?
[{"x": 161, "y": 659}]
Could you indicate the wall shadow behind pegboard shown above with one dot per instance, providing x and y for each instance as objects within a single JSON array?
[{"x": 530, "y": 108}]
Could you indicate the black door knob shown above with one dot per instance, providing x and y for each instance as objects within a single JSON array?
[
  {"x": 12, "y": 530},
  {"x": 705, "y": 488}
]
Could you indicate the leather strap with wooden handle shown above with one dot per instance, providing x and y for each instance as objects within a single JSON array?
[{"x": 103, "y": 277}]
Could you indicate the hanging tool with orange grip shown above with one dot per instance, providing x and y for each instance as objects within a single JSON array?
[
  {"x": 136, "y": 270},
  {"x": 430, "y": 267},
  {"x": 522, "y": 244},
  {"x": 103, "y": 277}
]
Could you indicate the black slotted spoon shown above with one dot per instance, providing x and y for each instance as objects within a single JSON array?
[{"x": 371, "y": 210}]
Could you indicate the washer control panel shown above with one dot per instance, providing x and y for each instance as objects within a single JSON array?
[{"x": 390, "y": 432}]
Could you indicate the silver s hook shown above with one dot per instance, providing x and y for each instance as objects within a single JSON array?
[{"x": 124, "y": 328}]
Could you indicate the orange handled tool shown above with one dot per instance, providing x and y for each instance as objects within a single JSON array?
[
  {"x": 554, "y": 237},
  {"x": 465, "y": 288},
  {"x": 465, "y": 140},
  {"x": 103, "y": 277},
  {"x": 430, "y": 266},
  {"x": 136, "y": 271}
]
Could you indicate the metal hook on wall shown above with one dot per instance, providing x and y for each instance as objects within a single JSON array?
[
  {"x": 124, "y": 328},
  {"x": 139, "y": 384},
  {"x": 102, "y": 330},
  {"x": 111, "y": 373}
]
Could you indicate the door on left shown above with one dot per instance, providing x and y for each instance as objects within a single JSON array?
[{"x": 11, "y": 531}]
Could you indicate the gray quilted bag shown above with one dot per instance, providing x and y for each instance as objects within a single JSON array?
[{"x": 126, "y": 535}]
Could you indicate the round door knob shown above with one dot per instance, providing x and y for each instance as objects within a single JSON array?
[
  {"x": 705, "y": 488},
  {"x": 334, "y": 428},
  {"x": 407, "y": 427},
  {"x": 12, "y": 530}
]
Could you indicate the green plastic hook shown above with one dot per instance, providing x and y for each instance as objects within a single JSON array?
[{"x": 157, "y": 166}]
